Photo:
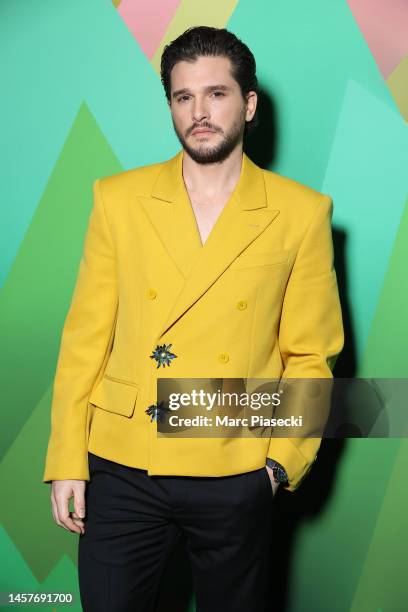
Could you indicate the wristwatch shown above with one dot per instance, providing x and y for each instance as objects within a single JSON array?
[{"x": 279, "y": 472}]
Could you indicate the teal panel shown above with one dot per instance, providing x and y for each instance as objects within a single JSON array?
[
  {"x": 367, "y": 178},
  {"x": 306, "y": 52},
  {"x": 55, "y": 56}
]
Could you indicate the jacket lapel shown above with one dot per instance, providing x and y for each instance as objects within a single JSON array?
[
  {"x": 172, "y": 215},
  {"x": 244, "y": 217}
]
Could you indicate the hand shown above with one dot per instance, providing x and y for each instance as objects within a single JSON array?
[
  {"x": 275, "y": 483},
  {"x": 61, "y": 493}
]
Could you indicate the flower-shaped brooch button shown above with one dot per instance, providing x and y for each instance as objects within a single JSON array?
[
  {"x": 163, "y": 355},
  {"x": 157, "y": 411}
]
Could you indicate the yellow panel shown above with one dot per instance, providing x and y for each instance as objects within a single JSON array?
[
  {"x": 190, "y": 13},
  {"x": 398, "y": 84}
]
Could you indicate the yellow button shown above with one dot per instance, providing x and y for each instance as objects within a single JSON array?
[
  {"x": 151, "y": 294},
  {"x": 223, "y": 357},
  {"x": 242, "y": 304}
]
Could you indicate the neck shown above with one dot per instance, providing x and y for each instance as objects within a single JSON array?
[{"x": 210, "y": 180}]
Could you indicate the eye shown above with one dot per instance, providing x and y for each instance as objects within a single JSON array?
[
  {"x": 218, "y": 92},
  {"x": 181, "y": 97}
]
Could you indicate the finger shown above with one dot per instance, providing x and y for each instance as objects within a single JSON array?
[
  {"x": 77, "y": 520},
  {"x": 64, "y": 515},
  {"x": 79, "y": 501},
  {"x": 70, "y": 524},
  {"x": 79, "y": 523},
  {"x": 54, "y": 507}
]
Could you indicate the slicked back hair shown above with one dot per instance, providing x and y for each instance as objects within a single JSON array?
[{"x": 208, "y": 41}]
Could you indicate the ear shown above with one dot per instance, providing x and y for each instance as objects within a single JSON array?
[{"x": 252, "y": 100}]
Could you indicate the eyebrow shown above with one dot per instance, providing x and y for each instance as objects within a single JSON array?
[{"x": 178, "y": 92}]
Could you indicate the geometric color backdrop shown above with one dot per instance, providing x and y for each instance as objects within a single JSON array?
[{"x": 81, "y": 99}]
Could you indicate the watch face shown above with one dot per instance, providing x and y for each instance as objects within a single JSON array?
[{"x": 279, "y": 474}]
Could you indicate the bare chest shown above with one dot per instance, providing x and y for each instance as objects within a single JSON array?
[{"x": 206, "y": 214}]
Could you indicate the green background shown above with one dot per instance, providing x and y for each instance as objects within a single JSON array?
[{"x": 82, "y": 99}]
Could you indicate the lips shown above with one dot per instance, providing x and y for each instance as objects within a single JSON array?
[{"x": 202, "y": 131}]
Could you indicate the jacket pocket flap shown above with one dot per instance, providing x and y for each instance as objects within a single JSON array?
[
  {"x": 251, "y": 260},
  {"x": 115, "y": 396}
]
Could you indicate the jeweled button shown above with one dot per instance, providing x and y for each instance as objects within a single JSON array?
[{"x": 163, "y": 355}]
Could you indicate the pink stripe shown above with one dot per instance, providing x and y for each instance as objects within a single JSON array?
[
  {"x": 148, "y": 20},
  {"x": 384, "y": 24}
]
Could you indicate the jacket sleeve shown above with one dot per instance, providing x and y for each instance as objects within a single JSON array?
[
  {"x": 311, "y": 336},
  {"x": 85, "y": 342}
]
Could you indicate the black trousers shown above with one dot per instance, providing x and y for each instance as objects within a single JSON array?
[{"x": 133, "y": 521}]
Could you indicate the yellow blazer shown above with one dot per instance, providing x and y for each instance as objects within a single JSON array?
[{"x": 258, "y": 300}]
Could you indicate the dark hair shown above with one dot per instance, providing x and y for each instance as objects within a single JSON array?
[{"x": 208, "y": 41}]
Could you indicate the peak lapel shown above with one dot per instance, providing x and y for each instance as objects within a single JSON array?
[
  {"x": 244, "y": 217},
  {"x": 172, "y": 216}
]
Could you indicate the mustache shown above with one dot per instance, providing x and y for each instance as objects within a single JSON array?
[{"x": 201, "y": 127}]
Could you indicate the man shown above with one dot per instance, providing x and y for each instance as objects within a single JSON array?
[{"x": 204, "y": 265}]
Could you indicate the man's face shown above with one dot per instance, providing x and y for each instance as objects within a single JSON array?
[{"x": 205, "y": 95}]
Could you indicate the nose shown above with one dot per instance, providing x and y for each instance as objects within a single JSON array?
[{"x": 200, "y": 111}]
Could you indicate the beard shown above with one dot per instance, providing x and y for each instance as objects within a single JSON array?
[{"x": 207, "y": 154}]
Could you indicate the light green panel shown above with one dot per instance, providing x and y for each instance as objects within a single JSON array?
[
  {"x": 330, "y": 551},
  {"x": 38, "y": 289},
  {"x": 383, "y": 582},
  {"x": 385, "y": 351}
]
